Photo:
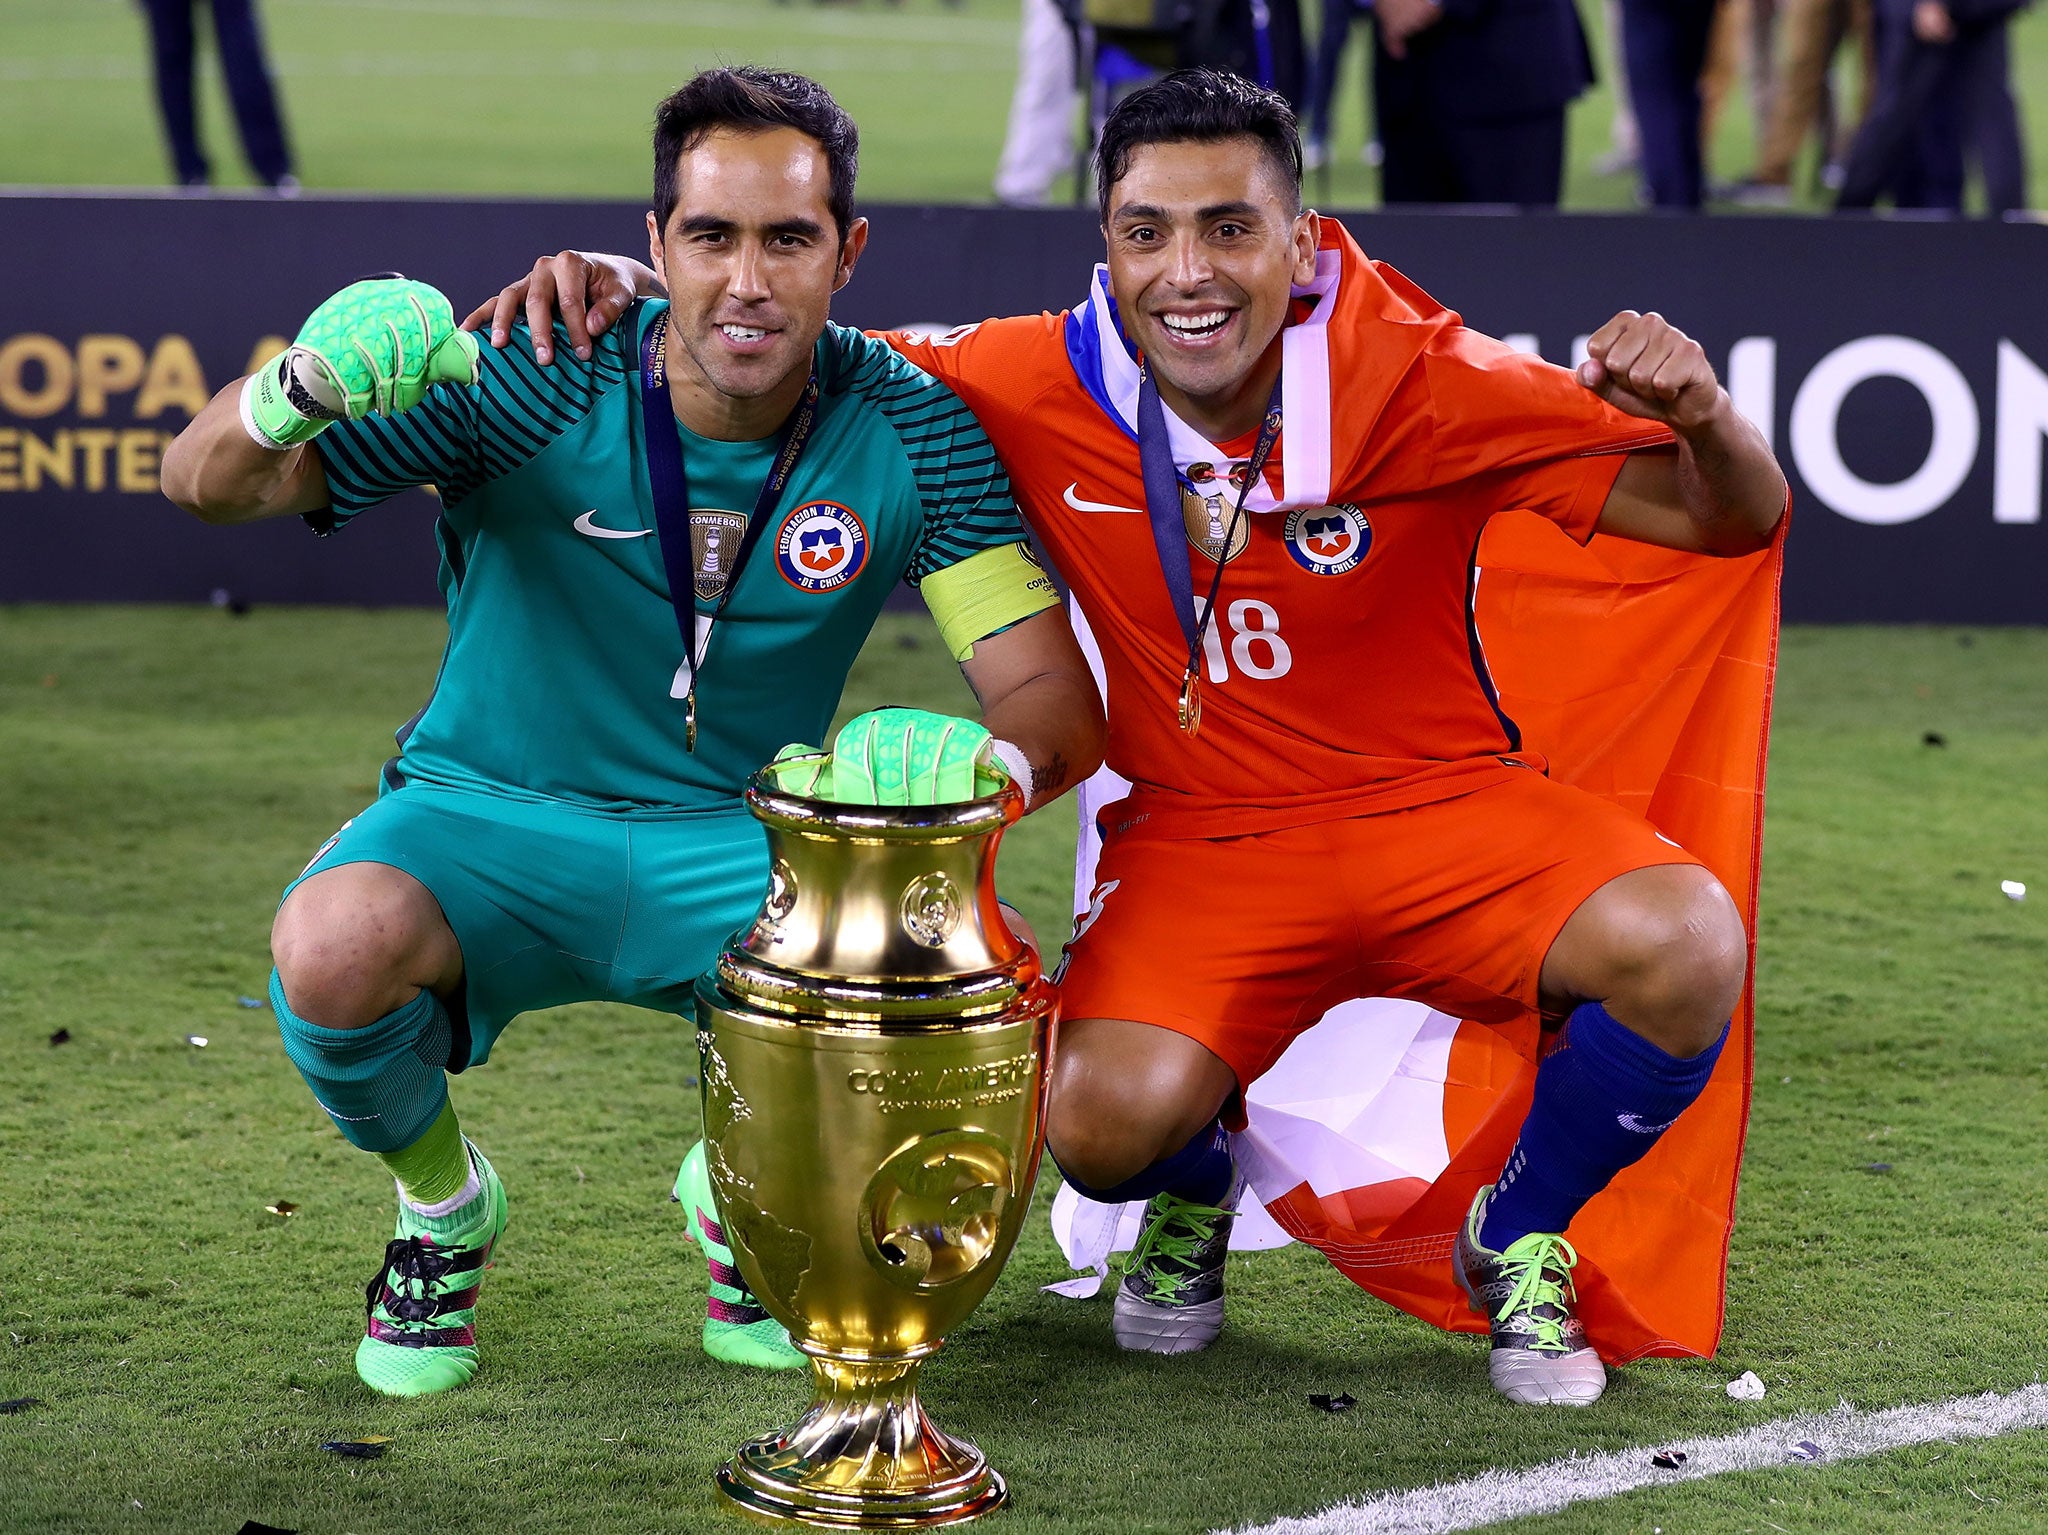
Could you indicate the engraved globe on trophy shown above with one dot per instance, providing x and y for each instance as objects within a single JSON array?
[{"x": 874, "y": 1054}]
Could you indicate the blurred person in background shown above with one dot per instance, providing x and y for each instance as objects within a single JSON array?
[
  {"x": 1742, "y": 45},
  {"x": 1624, "y": 151},
  {"x": 1665, "y": 45},
  {"x": 1942, "y": 84},
  {"x": 174, "y": 40},
  {"x": 1471, "y": 95},
  {"x": 1332, "y": 38},
  {"x": 1038, "y": 146},
  {"x": 1811, "y": 33}
]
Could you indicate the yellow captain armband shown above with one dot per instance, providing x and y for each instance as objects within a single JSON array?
[{"x": 987, "y": 592}]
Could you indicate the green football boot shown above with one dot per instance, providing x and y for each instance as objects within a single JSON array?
[
  {"x": 736, "y": 1329},
  {"x": 420, "y": 1332}
]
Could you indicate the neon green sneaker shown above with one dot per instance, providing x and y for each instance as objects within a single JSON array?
[
  {"x": 420, "y": 1331},
  {"x": 736, "y": 1329}
]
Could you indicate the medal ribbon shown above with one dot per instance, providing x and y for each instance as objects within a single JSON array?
[
  {"x": 670, "y": 485},
  {"x": 1169, "y": 528}
]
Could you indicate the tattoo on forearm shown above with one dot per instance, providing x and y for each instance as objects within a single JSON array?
[{"x": 1049, "y": 777}]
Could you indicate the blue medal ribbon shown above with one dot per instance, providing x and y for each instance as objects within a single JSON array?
[
  {"x": 1169, "y": 528},
  {"x": 670, "y": 485}
]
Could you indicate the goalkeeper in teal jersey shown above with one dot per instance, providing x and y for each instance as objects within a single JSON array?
[{"x": 660, "y": 557}]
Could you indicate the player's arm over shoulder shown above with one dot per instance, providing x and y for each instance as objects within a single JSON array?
[
  {"x": 997, "y": 610},
  {"x": 999, "y": 367}
]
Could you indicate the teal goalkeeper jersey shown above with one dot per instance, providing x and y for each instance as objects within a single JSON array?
[{"x": 563, "y": 650}]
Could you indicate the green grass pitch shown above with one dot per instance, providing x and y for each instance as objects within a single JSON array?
[
  {"x": 553, "y": 97},
  {"x": 163, "y": 772}
]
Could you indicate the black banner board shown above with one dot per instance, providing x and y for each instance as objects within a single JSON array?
[{"x": 1900, "y": 367}]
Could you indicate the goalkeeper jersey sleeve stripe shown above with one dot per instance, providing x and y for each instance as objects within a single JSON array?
[
  {"x": 968, "y": 504},
  {"x": 459, "y": 437}
]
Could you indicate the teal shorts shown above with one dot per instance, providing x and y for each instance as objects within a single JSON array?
[{"x": 553, "y": 904}]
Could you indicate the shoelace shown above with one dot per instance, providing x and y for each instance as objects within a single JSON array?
[
  {"x": 413, "y": 1269},
  {"x": 1532, "y": 1271},
  {"x": 1182, "y": 1227}
]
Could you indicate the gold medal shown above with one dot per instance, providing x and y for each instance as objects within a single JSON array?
[{"x": 1190, "y": 706}]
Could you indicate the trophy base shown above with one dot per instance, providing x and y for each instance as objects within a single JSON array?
[{"x": 864, "y": 1457}]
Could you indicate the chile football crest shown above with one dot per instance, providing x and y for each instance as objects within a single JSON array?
[
  {"x": 821, "y": 546},
  {"x": 1328, "y": 540}
]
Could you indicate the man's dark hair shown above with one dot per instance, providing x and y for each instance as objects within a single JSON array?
[
  {"x": 753, "y": 100},
  {"x": 1199, "y": 106}
]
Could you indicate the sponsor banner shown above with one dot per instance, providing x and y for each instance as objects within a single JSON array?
[{"x": 1903, "y": 387}]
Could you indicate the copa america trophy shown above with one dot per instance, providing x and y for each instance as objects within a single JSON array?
[{"x": 874, "y": 1052}]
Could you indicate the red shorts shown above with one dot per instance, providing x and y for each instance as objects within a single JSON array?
[{"x": 1242, "y": 943}]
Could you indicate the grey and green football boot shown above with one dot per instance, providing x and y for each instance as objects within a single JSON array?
[
  {"x": 736, "y": 1329},
  {"x": 1171, "y": 1297},
  {"x": 419, "y": 1335},
  {"x": 1540, "y": 1354}
]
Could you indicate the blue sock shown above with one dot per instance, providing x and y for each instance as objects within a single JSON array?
[
  {"x": 1604, "y": 1097},
  {"x": 1201, "y": 1172},
  {"x": 385, "y": 1084}
]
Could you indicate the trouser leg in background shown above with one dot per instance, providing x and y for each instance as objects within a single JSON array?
[
  {"x": 1038, "y": 146},
  {"x": 1666, "y": 47},
  {"x": 1331, "y": 37},
  {"x": 171, "y": 43},
  {"x": 1517, "y": 160},
  {"x": 1993, "y": 122},
  {"x": 251, "y": 89},
  {"x": 1806, "y": 44},
  {"x": 1885, "y": 156}
]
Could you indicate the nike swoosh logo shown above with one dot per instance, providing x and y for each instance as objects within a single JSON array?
[
  {"x": 1080, "y": 505},
  {"x": 1631, "y": 1122},
  {"x": 584, "y": 524}
]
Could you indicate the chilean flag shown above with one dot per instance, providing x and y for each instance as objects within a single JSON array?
[{"x": 1644, "y": 675}]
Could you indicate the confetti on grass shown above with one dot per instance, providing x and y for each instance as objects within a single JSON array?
[
  {"x": 369, "y": 1447},
  {"x": 20, "y": 1404},
  {"x": 61, "y": 1037},
  {"x": 1668, "y": 1460},
  {"x": 1343, "y": 1402},
  {"x": 282, "y": 1207}
]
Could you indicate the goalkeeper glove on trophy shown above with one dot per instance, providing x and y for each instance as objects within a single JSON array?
[
  {"x": 375, "y": 348},
  {"x": 904, "y": 757}
]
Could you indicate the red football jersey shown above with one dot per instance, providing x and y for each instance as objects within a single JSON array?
[{"x": 1345, "y": 669}]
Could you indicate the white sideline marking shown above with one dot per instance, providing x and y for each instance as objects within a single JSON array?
[{"x": 1844, "y": 1434}]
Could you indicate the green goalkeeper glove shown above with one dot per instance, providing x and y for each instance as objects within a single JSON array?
[
  {"x": 903, "y": 757},
  {"x": 375, "y": 348}
]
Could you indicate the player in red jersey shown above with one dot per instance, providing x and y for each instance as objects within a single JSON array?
[{"x": 1264, "y": 463}]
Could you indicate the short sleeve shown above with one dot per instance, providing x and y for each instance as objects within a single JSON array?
[
  {"x": 969, "y": 505},
  {"x": 1522, "y": 434},
  {"x": 999, "y": 367},
  {"x": 962, "y": 488}
]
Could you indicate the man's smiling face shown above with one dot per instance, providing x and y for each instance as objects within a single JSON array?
[
  {"x": 751, "y": 258},
  {"x": 1205, "y": 245}
]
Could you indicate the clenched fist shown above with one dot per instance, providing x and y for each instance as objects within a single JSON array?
[{"x": 1645, "y": 365}]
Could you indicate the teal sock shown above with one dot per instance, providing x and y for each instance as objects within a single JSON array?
[{"x": 385, "y": 1084}]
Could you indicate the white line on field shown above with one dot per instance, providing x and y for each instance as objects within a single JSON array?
[{"x": 1844, "y": 1434}]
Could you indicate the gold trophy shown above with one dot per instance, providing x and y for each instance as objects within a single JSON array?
[{"x": 874, "y": 1053}]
